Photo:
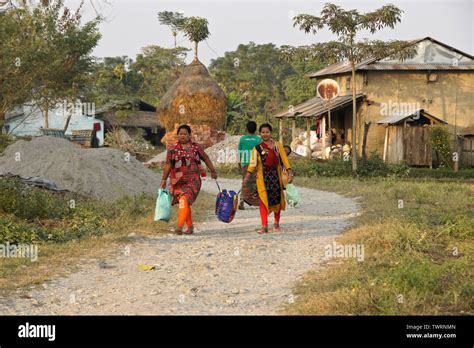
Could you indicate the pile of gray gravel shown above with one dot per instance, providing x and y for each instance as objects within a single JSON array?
[
  {"x": 225, "y": 152},
  {"x": 101, "y": 173},
  {"x": 221, "y": 153}
]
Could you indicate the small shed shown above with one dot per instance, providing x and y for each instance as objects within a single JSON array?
[
  {"x": 407, "y": 137},
  {"x": 132, "y": 116},
  {"x": 467, "y": 146}
]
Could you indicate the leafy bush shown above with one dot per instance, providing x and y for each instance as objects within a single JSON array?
[
  {"x": 5, "y": 140},
  {"x": 439, "y": 138},
  {"x": 336, "y": 168},
  {"x": 375, "y": 166},
  {"x": 28, "y": 203},
  {"x": 30, "y": 214}
]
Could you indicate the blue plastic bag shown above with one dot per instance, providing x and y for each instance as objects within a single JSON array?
[
  {"x": 226, "y": 205},
  {"x": 292, "y": 195},
  {"x": 163, "y": 205}
]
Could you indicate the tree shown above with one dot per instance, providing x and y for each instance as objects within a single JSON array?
[
  {"x": 18, "y": 66},
  {"x": 110, "y": 80},
  {"x": 174, "y": 20},
  {"x": 256, "y": 73},
  {"x": 147, "y": 77},
  {"x": 196, "y": 30},
  {"x": 159, "y": 67},
  {"x": 346, "y": 24},
  {"x": 237, "y": 113},
  {"x": 62, "y": 58},
  {"x": 298, "y": 87}
]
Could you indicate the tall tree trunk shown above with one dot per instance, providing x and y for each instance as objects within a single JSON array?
[
  {"x": 354, "y": 120},
  {"x": 196, "y": 52},
  {"x": 46, "y": 121},
  {"x": 174, "y": 37},
  {"x": 364, "y": 142},
  {"x": 70, "y": 112}
]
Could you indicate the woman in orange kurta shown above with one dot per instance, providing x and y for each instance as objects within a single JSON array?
[{"x": 268, "y": 159}]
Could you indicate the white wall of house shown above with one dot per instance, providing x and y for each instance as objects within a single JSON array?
[{"x": 28, "y": 119}]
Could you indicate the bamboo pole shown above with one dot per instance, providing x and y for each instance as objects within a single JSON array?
[
  {"x": 385, "y": 144},
  {"x": 293, "y": 128},
  {"x": 323, "y": 132},
  {"x": 308, "y": 136},
  {"x": 329, "y": 122},
  {"x": 280, "y": 135}
]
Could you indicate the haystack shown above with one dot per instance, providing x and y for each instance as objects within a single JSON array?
[{"x": 194, "y": 98}]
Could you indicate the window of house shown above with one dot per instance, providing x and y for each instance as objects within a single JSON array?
[{"x": 348, "y": 83}]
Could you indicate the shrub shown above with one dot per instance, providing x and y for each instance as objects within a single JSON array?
[
  {"x": 439, "y": 138},
  {"x": 28, "y": 203},
  {"x": 5, "y": 140}
]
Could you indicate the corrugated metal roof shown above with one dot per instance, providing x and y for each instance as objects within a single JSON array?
[
  {"x": 378, "y": 64},
  {"x": 385, "y": 66},
  {"x": 469, "y": 130},
  {"x": 340, "y": 68},
  {"x": 316, "y": 106},
  {"x": 400, "y": 117}
]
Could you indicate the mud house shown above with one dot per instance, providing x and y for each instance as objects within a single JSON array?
[{"x": 397, "y": 101}]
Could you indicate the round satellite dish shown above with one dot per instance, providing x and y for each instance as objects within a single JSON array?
[{"x": 328, "y": 89}]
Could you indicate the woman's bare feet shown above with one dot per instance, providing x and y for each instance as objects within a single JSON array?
[
  {"x": 276, "y": 228},
  {"x": 178, "y": 230},
  {"x": 263, "y": 230},
  {"x": 190, "y": 230}
]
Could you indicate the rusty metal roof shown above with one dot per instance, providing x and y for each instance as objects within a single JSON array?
[
  {"x": 371, "y": 64},
  {"x": 316, "y": 107},
  {"x": 469, "y": 130}
]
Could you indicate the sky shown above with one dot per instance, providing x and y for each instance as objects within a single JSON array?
[{"x": 133, "y": 24}]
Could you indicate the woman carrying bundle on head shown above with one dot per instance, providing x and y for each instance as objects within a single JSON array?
[
  {"x": 270, "y": 160},
  {"x": 183, "y": 162}
]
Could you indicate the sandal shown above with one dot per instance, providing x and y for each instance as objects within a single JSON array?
[
  {"x": 178, "y": 230},
  {"x": 190, "y": 230},
  {"x": 263, "y": 230}
]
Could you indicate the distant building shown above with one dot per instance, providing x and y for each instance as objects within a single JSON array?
[
  {"x": 132, "y": 116},
  {"x": 28, "y": 119},
  {"x": 398, "y": 100}
]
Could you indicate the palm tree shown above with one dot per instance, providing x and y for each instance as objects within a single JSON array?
[{"x": 196, "y": 29}]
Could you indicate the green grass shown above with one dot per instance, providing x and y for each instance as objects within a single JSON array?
[
  {"x": 418, "y": 259},
  {"x": 64, "y": 234}
]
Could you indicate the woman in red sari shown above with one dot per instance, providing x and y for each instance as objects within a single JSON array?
[{"x": 183, "y": 162}]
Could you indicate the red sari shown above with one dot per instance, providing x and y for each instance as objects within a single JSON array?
[{"x": 186, "y": 171}]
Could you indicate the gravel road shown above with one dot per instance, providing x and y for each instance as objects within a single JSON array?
[{"x": 221, "y": 269}]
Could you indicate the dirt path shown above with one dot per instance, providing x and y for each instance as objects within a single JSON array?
[{"x": 222, "y": 269}]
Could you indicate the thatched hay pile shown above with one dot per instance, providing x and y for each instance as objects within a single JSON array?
[{"x": 193, "y": 98}]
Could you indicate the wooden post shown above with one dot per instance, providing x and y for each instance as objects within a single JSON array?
[
  {"x": 280, "y": 133},
  {"x": 323, "y": 132},
  {"x": 458, "y": 149},
  {"x": 293, "y": 128},
  {"x": 385, "y": 145},
  {"x": 308, "y": 136},
  {"x": 329, "y": 122}
]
